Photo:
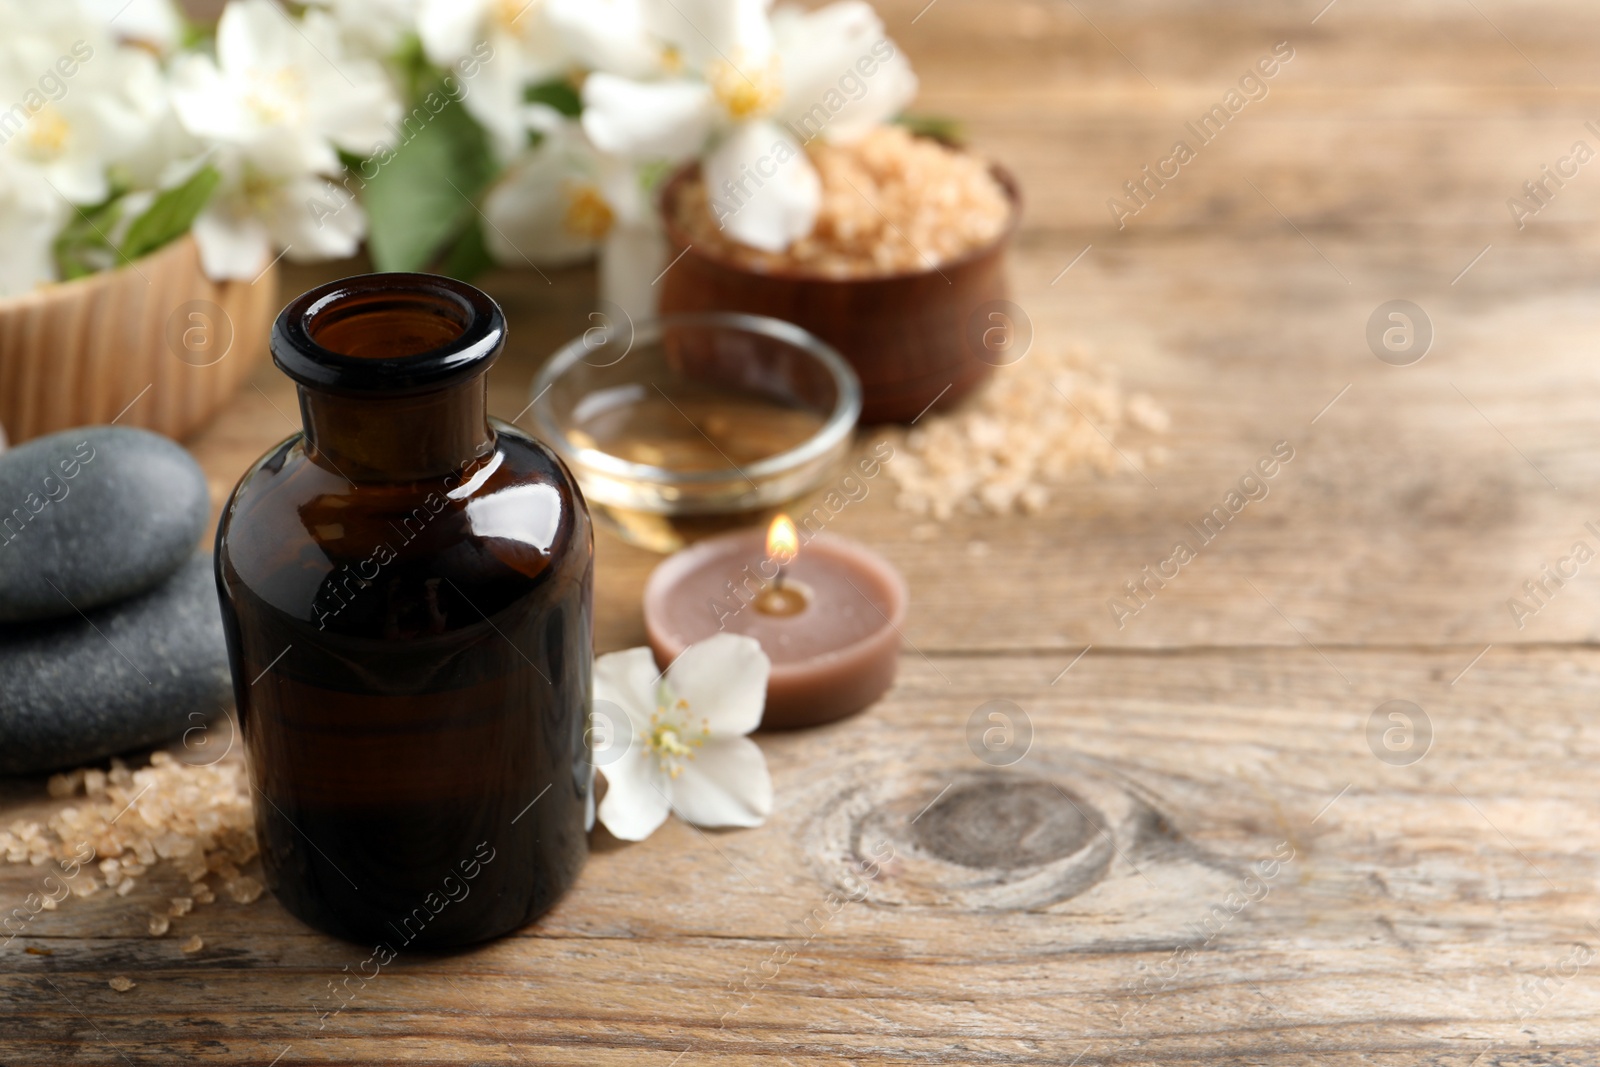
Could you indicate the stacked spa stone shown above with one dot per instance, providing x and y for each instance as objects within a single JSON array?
[{"x": 110, "y": 636}]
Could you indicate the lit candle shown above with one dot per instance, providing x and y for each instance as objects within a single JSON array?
[{"x": 828, "y": 615}]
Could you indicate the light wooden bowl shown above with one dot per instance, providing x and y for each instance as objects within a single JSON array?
[{"x": 155, "y": 341}]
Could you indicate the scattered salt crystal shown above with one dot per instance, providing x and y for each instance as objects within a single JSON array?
[
  {"x": 121, "y": 984},
  {"x": 124, "y": 824},
  {"x": 1147, "y": 414},
  {"x": 244, "y": 890},
  {"x": 1025, "y": 431},
  {"x": 193, "y": 944}
]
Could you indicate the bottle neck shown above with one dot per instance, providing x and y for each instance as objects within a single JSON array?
[{"x": 377, "y": 438}]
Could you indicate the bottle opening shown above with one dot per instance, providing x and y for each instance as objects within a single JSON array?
[
  {"x": 388, "y": 326},
  {"x": 387, "y": 333}
]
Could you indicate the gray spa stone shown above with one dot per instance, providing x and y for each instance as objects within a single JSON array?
[
  {"x": 92, "y": 515},
  {"x": 80, "y": 689}
]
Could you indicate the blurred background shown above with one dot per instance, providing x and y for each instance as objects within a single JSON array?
[{"x": 1356, "y": 236}]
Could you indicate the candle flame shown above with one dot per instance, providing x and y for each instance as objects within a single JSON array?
[{"x": 783, "y": 540}]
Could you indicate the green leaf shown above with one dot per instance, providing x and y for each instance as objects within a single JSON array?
[
  {"x": 558, "y": 93},
  {"x": 423, "y": 195},
  {"x": 652, "y": 174},
  {"x": 170, "y": 214},
  {"x": 469, "y": 256},
  {"x": 940, "y": 128},
  {"x": 83, "y": 247},
  {"x": 410, "y": 62}
]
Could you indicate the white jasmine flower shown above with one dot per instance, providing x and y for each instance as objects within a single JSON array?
[
  {"x": 769, "y": 214},
  {"x": 162, "y": 138},
  {"x": 30, "y": 215},
  {"x": 515, "y": 46},
  {"x": 265, "y": 202},
  {"x": 562, "y": 201},
  {"x": 753, "y": 89},
  {"x": 74, "y": 101},
  {"x": 150, "y": 22},
  {"x": 688, "y": 750},
  {"x": 708, "y": 32},
  {"x": 648, "y": 120},
  {"x": 277, "y": 104},
  {"x": 609, "y": 35},
  {"x": 551, "y": 207},
  {"x": 826, "y": 55},
  {"x": 371, "y": 27},
  {"x": 292, "y": 85}
]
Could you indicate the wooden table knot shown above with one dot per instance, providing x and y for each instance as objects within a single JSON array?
[{"x": 977, "y": 839}]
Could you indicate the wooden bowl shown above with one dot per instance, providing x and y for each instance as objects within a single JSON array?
[
  {"x": 913, "y": 338},
  {"x": 154, "y": 340}
]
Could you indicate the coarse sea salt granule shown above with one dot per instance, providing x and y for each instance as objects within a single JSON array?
[
  {"x": 197, "y": 820},
  {"x": 1011, "y": 444},
  {"x": 891, "y": 203}
]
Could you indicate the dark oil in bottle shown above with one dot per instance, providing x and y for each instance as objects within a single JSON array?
[{"x": 406, "y": 590}]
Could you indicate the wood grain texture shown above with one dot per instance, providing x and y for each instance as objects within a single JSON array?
[
  {"x": 154, "y": 344},
  {"x": 1101, "y": 899}
]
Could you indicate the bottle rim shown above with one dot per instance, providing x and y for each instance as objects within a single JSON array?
[{"x": 298, "y": 353}]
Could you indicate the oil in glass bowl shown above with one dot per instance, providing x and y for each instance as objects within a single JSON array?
[{"x": 693, "y": 425}]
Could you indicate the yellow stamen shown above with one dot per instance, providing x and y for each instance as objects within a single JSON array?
[
  {"x": 278, "y": 98},
  {"x": 509, "y": 15},
  {"x": 47, "y": 133},
  {"x": 671, "y": 737},
  {"x": 258, "y": 191},
  {"x": 587, "y": 215},
  {"x": 745, "y": 90}
]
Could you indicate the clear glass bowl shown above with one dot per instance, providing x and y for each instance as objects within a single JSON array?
[{"x": 689, "y": 425}]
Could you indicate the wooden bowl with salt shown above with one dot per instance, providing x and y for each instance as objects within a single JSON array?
[{"x": 922, "y": 319}]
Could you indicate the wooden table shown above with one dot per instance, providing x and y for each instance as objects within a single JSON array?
[{"x": 1437, "y": 910}]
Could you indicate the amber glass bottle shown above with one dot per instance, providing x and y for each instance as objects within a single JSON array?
[{"x": 407, "y": 591}]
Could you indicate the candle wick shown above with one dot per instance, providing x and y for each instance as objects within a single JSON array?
[{"x": 777, "y": 583}]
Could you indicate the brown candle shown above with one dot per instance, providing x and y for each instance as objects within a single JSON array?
[{"x": 828, "y": 614}]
